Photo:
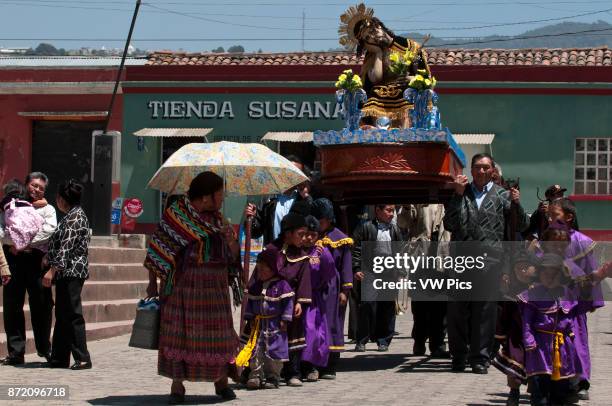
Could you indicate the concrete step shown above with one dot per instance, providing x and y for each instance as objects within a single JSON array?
[
  {"x": 108, "y": 255},
  {"x": 94, "y": 312},
  {"x": 109, "y": 290},
  {"x": 95, "y": 331},
  {"x": 117, "y": 272},
  {"x": 122, "y": 240},
  {"x": 114, "y": 290}
]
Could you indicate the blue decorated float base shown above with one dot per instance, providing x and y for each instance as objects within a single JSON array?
[{"x": 377, "y": 136}]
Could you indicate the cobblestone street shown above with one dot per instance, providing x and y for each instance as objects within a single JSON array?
[{"x": 127, "y": 376}]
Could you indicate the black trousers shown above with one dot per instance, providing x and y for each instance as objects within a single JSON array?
[
  {"x": 471, "y": 330},
  {"x": 26, "y": 276},
  {"x": 376, "y": 322},
  {"x": 332, "y": 364},
  {"x": 545, "y": 391},
  {"x": 354, "y": 298},
  {"x": 429, "y": 317},
  {"x": 293, "y": 367},
  {"x": 69, "y": 333}
]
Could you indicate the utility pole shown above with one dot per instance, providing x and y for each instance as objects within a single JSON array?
[
  {"x": 303, "y": 29},
  {"x": 125, "y": 51}
]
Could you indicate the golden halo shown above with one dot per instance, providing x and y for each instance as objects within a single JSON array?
[{"x": 349, "y": 20}]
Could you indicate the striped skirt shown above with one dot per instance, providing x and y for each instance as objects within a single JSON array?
[{"x": 197, "y": 339}]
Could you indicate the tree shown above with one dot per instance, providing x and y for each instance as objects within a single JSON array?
[
  {"x": 218, "y": 50},
  {"x": 235, "y": 49},
  {"x": 46, "y": 50}
]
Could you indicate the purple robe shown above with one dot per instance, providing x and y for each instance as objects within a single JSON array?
[
  {"x": 343, "y": 282},
  {"x": 544, "y": 315},
  {"x": 272, "y": 299},
  {"x": 318, "y": 333},
  {"x": 293, "y": 266},
  {"x": 510, "y": 359},
  {"x": 580, "y": 251}
]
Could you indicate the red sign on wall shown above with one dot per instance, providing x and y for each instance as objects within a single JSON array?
[{"x": 132, "y": 208}]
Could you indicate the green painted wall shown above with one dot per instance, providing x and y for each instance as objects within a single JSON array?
[
  {"x": 137, "y": 168},
  {"x": 534, "y": 137}
]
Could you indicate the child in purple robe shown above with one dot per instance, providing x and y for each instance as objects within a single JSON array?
[
  {"x": 293, "y": 266},
  {"x": 580, "y": 251},
  {"x": 548, "y": 311},
  {"x": 510, "y": 359},
  {"x": 269, "y": 308},
  {"x": 318, "y": 333},
  {"x": 336, "y": 298}
]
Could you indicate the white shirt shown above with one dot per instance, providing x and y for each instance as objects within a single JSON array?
[
  {"x": 283, "y": 206},
  {"x": 481, "y": 195}
]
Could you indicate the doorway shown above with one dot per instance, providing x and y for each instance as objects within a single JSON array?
[{"x": 62, "y": 150}]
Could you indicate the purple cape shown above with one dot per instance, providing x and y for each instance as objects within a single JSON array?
[
  {"x": 272, "y": 299},
  {"x": 545, "y": 314},
  {"x": 343, "y": 282},
  {"x": 580, "y": 251},
  {"x": 318, "y": 333}
]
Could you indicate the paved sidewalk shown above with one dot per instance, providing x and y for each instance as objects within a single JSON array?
[{"x": 127, "y": 376}]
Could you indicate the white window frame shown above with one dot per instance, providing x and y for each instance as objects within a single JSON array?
[{"x": 593, "y": 166}]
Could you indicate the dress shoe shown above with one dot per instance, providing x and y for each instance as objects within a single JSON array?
[
  {"x": 480, "y": 369},
  {"x": 360, "y": 348},
  {"x": 583, "y": 394},
  {"x": 12, "y": 360},
  {"x": 81, "y": 365},
  {"x": 46, "y": 356},
  {"x": 383, "y": 348},
  {"x": 418, "y": 348},
  {"x": 328, "y": 376}
]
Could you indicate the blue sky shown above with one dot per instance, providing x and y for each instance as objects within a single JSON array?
[{"x": 272, "y": 25}]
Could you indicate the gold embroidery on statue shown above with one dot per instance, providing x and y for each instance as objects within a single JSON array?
[{"x": 388, "y": 91}]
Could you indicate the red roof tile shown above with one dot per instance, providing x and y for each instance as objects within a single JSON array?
[{"x": 601, "y": 56}]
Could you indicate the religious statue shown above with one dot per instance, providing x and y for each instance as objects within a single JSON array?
[{"x": 390, "y": 65}]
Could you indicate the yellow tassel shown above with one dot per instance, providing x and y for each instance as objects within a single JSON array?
[
  {"x": 559, "y": 341},
  {"x": 242, "y": 360}
]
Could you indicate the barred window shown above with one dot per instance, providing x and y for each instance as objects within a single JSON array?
[{"x": 593, "y": 166}]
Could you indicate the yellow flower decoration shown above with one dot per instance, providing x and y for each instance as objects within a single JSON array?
[{"x": 349, "y": 81}]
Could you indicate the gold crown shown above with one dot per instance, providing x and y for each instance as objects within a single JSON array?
[{"x": 349, "y": 20}]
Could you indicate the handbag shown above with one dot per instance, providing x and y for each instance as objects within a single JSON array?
[{"x": 145, "y": 332}]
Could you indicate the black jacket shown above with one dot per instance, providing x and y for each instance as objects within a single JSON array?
[
  {"x": 263, "y": 222},
  {"x": 368, "y": 231}
]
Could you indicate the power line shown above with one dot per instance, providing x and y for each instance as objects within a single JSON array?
[
  {"x": 524, "y": 37},
  {"x": 195, "y": 15},
  {"x": 594, "y": 32},
  {"x": 227, "y": 22},
  {"x": 513, "y": 23},
  {"x": 276, "y": 4}
]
